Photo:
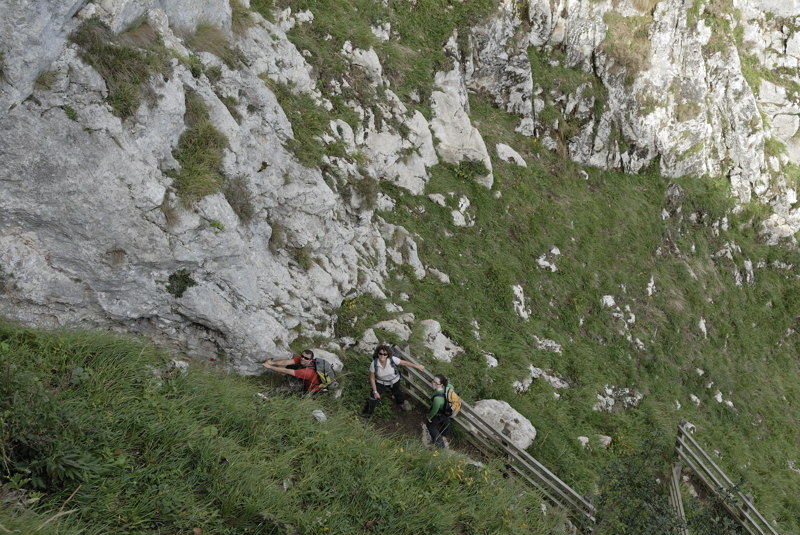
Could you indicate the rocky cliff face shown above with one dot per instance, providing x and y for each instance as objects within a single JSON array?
[
  {"x": 95, "y": 231},
  {"x": 701, "y": 88}
]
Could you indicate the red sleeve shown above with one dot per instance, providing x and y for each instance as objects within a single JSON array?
[{"x": 296, "y": 359}]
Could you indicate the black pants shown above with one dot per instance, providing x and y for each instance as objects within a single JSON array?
[
  {"x": 397, "y": 392},
  {"x": 438, "y": 427}
]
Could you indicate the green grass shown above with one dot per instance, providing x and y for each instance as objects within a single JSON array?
[
  {"x": 263, "y": 7},
  {"x": 70, "y": 112},
  {"x": 409, "y": 63},
  {"x": 627, "y": 43},
  {"x": 309, "y": 122},
  {"x": 125, "y": 67},
  {"x": 102, "y": 427},
  {"x": 559, "y": 79},
  {"x": 241, "y": 17},
  {"x": 208, "y": 38},
  {"x": 46, "y": 80},
  {"x": 199, "y": 152},
  {"x": 238, "y": 195}
]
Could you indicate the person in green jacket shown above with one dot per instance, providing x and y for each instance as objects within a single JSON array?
[{"x": 437, "y": 422}]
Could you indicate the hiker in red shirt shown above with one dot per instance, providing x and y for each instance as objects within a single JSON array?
[{"x": 301, "y": 366}]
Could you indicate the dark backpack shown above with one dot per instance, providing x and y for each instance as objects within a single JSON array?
[
  {"x": 325, "y": 372},
  {"x": 452, "y": 402}
]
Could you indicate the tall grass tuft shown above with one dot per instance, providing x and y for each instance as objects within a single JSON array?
[
  {"x": 627, "y": 43},
  {"x": 240, "y": 198},
  {"x": 124, "y": 67},
  {"x": 241, "y": 17},
  {"x": 199, "y": 152},
  {"x": 208, "y": 38}
]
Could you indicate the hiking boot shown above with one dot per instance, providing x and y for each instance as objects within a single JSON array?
[{"x": 406, "y": 406}]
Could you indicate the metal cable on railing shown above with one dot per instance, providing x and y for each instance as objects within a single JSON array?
[
  {"x": 738, "y": 504},
  {"x": 489, "y": 441}
]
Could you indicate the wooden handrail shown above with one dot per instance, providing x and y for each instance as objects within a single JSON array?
[
  {"x": 675, "y": 498},
  {"x": 490, "y": 441},
  {"x": 741, "y": 507}
]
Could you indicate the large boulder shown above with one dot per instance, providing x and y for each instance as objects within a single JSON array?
[{"x": 505, "y": 419}]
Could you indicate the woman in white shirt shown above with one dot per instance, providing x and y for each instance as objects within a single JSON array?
[{"x": 384, "y": 374}]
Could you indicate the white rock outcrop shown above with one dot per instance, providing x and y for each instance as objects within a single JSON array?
[
  {"x": 507, "y": 421},
  {"x": 459, "y": 140},
  {"x": 440, "y": 345},
  {"x": 93, "y": 233},
  {"x": 506, "y": 153},
  {"x": 614, "y": 398},
  {"x": 538, "y": 373}
]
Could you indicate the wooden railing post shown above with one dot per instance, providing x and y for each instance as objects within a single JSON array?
[
  {"x": 739, "y": 505},
  {"x": 675, "y": 498}
]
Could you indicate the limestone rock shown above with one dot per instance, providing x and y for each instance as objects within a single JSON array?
[
  {"x": 782, "y": 8},
  {"x": 520, "y": 306},
  {"x": 402, "y": 330},
  {"x": 401, "y": 160},
  {"x": 459, "y": 140},
  {"x": 507, "y": 421},
  {"x": 93, "y": 233},
  {"x": 369, "y": 340},
  {"x": 401, "y": 248},
  {"x": 538, "y": 373},
  {"x": 504, "y": 152},
  {"x": 333, "y": 358},
  {"x": 615, "y": 398},
  {"x": 440, "y": 345},
  {"x": 34, "y": 34}
]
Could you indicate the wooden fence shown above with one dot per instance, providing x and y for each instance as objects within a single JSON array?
[
  {"x": 675, "y": 497},
  {"x": 491, "y": 442},
  {"x": 739, "y": 505}
]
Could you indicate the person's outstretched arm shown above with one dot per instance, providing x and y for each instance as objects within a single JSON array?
[
  {"x": 420, "y": 367},
  {"x": 271, "y": 366},
  {"x": 283, "y": 362}
]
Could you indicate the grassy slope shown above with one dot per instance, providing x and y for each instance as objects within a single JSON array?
[{"x": 98, "y": 426}]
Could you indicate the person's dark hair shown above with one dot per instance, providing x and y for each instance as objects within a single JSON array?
[
  {"x": 382, "y": 348},
  {"x": 442, "y": 379},
  {"x": 308, "y": 352}
]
